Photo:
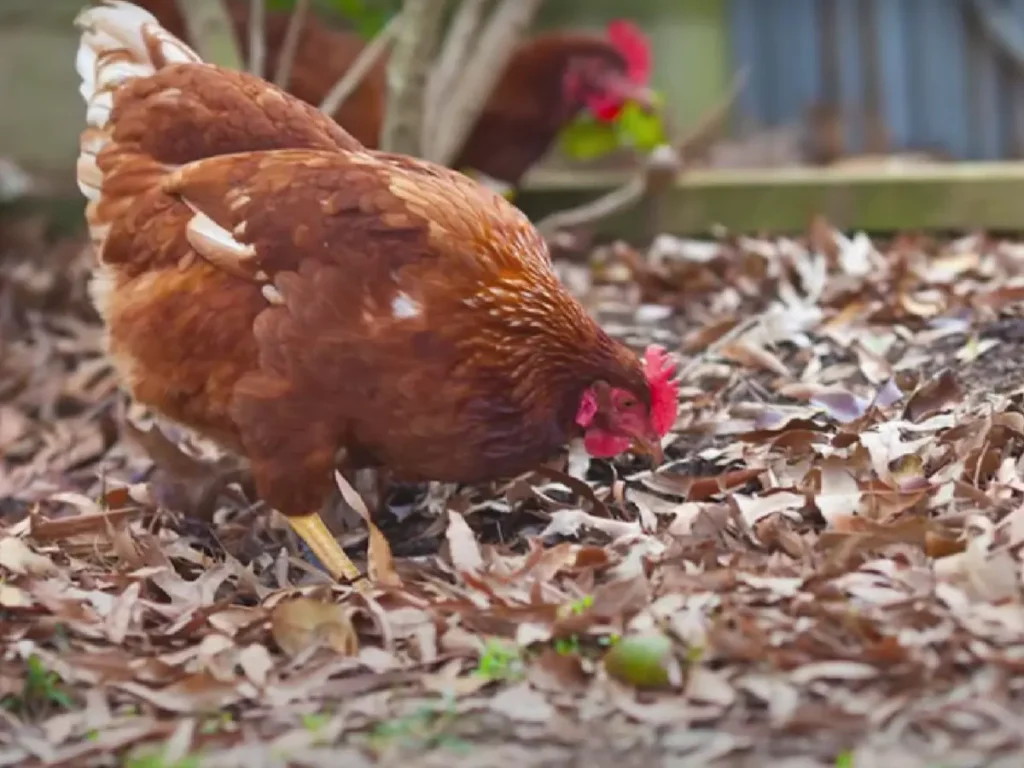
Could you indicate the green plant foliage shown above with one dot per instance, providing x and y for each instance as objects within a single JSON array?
[
  {"x": 587, "y": 138},
  {"x": 500, "y": 661},
  {"x": 42, "y": 690},
  {"x": 640, "y": 129},
  {"x": 365, "y": 17}
]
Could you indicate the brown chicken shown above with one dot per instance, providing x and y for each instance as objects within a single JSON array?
[
  {"x": 268, "y": 282},
  {"x": 548, "y": 82}
]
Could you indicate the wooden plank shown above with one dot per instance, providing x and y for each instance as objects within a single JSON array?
[{"x": 959, "y": 196}]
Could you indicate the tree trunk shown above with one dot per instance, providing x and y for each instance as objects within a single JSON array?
[
  {"x": 408, "y": 67},
  {"x": 209, "y": 28}
]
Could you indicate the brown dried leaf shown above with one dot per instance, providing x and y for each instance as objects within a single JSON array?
[
  {"x": 465, "y": 551},
  {"x": 381, "y": 563},
  {"x": 17, "y": 557},
  {"x": 933, "y": 396},
  {"x": 301, "y": 623}
]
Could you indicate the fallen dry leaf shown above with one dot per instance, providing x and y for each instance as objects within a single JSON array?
[
  {"x": 301, "y": 623},
  {"x": 17, "y": 557}
]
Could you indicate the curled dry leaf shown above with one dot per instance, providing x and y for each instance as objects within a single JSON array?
[
  {"x": 465, "y": 552},
  {"x": 754, "y": 508},
  {"x": 570, "y": 522},
  {"x": 17, "y": 557},
  {"x": 381, "y": 563},
  {"x": 934, "y": 396},
  {"x": 301, "y": 623}
]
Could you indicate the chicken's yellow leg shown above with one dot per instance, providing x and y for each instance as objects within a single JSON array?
[{"x": 319, "y": 539}]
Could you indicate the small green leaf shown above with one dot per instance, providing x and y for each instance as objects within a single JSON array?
[
  {"x": 364, "y": 17},
  {"x": 368, "y": 17},
  {"x": 587, "y": 138},
  {"x": 567, "y": 646},
  {"x": 314, "y": 721},
  {"x": 500, "y": 661},
  {"x": 640, "y": 129}
]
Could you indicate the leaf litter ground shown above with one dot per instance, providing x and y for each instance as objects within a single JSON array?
[{"x": 826, "y": 571}]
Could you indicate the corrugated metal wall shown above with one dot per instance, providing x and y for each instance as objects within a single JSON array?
[{"x": 885, "y": 75}]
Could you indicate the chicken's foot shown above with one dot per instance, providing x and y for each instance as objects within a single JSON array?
[{"x": 314, "y": 532}]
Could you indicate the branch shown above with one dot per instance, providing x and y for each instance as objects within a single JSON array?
[
  {"x": 209, "y": 28},
  {"x": 662, "y": 160},
  {"x": 445, "y": 74},
  {"x": 419, "y": 27},
  {"x": 290, "y": 46},
  {"x": 364, "y": 62},
  {"x": 480, "y": 74},
  {"x": 257, "y": 37},
  {"x": 655, "y": 178}
]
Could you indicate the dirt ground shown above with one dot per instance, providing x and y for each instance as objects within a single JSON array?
[{"x": 824, "y": 572}]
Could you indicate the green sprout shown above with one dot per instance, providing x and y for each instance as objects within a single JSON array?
[
  {"x": 314, "y": 721},
  {"x": 42, "y": 690},
  {"x": 217, "y": 723},
  {"x": 425, "y": 728},
  {"x": 157, "y": 760},
  {"x": 567, "y": 646},
  {"x": 500, "y": 661}
]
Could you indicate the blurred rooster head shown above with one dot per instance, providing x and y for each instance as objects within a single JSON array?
[{"x": 605, "y": 84}]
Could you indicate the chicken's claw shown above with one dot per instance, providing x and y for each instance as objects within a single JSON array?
[{"x": 314, "y": 532}]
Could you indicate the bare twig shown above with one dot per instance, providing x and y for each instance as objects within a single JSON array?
[
  {"x": 661, "y": 159},
  {"x": 257, "y": 37},
  {"x": 290, "y": 46},
  {"x": 655, "y": 178},
  {"x": 208, "y": 27},
  {"x": 364, "y": 62},
  {"x": 419, "y": 26},
  {"x": 480, "y": 74},
  {"x": 457, "y": 44}
]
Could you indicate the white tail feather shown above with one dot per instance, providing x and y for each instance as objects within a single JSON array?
[{"x": 121, "y": 41}]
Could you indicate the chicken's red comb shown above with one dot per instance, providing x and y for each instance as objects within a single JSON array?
[
  {"x": 634, "y": 47},
  {"x": 660, "y": 368}
]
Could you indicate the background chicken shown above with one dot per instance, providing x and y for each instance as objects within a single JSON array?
[
  {"x": 271, "y": 284},
  {"x": 547, "y": 83}
]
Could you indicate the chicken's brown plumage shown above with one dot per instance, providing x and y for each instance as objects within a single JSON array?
[
  {"x": 517, "y": 127},
  {"x": 267, "y": 281}
]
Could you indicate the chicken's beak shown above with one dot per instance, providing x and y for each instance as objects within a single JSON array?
[{"x": 644, "y": 445}]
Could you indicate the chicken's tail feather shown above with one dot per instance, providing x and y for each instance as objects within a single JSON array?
[
  {"x": 154, "y": 105},
  {"x": 120, "y": 42}
]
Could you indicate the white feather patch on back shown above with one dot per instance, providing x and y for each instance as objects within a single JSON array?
[
  {"x": 218, "y": 246},
  {"x": 403, "y": 307}
]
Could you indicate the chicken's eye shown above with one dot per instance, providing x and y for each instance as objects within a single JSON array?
[{"x": 628, "y": 401}]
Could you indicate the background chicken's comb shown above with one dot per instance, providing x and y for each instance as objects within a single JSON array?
[
  {"x": 660, "y": 367},
  {"x": 634, "y": 47}
]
